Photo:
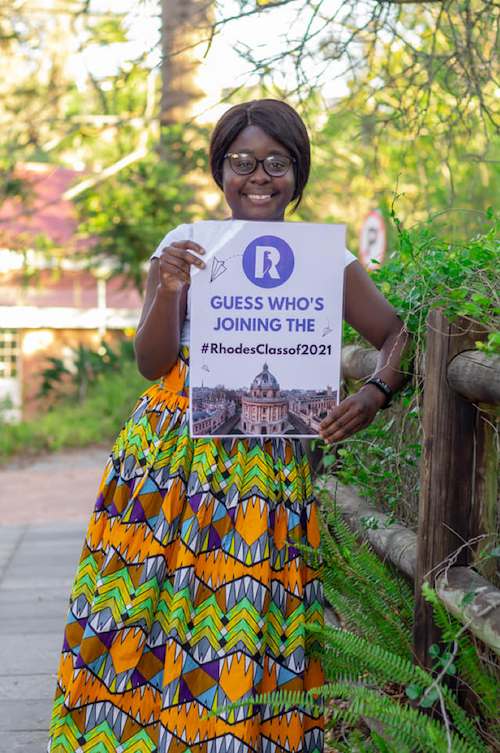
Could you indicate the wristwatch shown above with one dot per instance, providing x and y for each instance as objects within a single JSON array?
[{"x": 383, "y": 387}]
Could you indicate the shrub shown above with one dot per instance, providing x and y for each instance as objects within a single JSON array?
[{"x": 70, "y": 423}]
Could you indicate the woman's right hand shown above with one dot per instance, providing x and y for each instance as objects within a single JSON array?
[{"x": 175, "y": 264}]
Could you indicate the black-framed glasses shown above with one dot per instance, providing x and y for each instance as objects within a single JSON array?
[{"x": 275, "y": 165}]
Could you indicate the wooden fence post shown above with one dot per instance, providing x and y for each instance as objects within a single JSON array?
[
  {"x": 459, "y": 484},
  {"x": 470, "y": 375},
  {"x": 447, "y": 468}
]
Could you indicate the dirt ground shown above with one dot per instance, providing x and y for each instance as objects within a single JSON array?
[{"x": 59, "y": 486}]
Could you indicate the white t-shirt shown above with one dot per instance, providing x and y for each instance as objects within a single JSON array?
[{"x": 187, "y": 232}]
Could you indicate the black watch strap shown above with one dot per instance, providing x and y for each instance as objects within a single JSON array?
[{"x": 383, "y": 387}]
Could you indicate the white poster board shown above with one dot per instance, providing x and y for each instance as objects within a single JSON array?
[{"x": 266, "y": 327}]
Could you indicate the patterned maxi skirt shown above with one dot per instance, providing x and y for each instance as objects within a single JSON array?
[{"x": 191, "y": 595}]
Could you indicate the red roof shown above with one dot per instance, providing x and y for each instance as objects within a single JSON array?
[{"x": 45, "y": 211}]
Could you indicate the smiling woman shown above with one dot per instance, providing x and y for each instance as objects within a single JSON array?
[
  {"x": 256, "y": 194},
  {"x": 191, "y": 593},
  {"x": 262, "y": 130}
]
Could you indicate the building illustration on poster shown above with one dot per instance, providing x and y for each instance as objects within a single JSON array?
[
  {"x": 266, "y": 315},
  {"x": 264, "y": 409}
]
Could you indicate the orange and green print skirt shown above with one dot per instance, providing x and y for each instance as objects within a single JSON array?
[{"x": 191, "y": 594}]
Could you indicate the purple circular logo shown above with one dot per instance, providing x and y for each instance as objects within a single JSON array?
[{"x": 268, "y": 261}]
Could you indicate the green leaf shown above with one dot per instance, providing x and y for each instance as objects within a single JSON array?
[
  {"x": 413, "y": 691},
  {"x": 429, "y": 699},
  {"x": 329, "y": 460},
  {"x": 467, "y": 599}
]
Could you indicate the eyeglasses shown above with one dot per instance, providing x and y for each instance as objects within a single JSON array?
[{"x": 245, "y": 164}]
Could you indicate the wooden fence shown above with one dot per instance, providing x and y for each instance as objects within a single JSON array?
[{"x": 458, "y": 485}]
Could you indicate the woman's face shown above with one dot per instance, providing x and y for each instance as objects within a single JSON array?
[{"x": 257, "y": 196}]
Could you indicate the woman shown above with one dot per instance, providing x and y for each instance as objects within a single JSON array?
[{"x": 190, "y": 594}]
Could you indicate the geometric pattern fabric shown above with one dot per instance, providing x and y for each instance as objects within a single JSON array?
[{"x": 190, "y": 594}]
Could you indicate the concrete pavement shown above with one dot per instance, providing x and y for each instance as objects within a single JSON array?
[{"x": 45, "y": 507}]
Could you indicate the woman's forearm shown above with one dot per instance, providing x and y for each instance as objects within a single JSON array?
[
  {"x": 367, "y": 311},
  {"x": 158, "y": 335},
  {"x": 157, "y": 339},
  {"x": 394, "y": 365}
]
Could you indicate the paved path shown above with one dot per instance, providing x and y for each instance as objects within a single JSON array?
[{"x": 45, "y": 507}]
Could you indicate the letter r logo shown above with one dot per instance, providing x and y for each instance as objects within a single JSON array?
[{"x": 268, "y": 261}]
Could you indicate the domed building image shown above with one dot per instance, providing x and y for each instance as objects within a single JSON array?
[{"x": 264, "y": 409}]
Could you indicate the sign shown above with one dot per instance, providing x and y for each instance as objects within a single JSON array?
[
  {"x": 372, "y": 240},
  {"x": 266, "y": 326}
]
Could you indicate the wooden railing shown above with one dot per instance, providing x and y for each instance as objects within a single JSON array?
[{"x": 458, "y": 485}]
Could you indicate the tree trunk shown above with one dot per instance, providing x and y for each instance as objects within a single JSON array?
[
  {"x": 185, "y": 25},
  {"x": 474, "y": 601},
  {"x": 476, "y": 376},
  {"x": 358, "y": 362},
  {"x": 393, "y": 542}
]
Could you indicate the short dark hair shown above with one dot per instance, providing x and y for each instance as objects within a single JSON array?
[{"x": 280, "y": 121}]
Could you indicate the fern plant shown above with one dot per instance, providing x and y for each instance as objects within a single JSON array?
[
  {"x": 364, "y": 669},
  {"x": 371, "y": 598},
  {"x": 477, "y": 668},
  {"x": 403, "y": 729},
  {"x": 368, "y": 665},
  {"x": 376, "y": 603}
]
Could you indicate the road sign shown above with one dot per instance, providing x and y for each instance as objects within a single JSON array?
[{"x": 372, "y": 240}]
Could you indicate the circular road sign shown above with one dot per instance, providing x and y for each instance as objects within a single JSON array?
[{"x": 372, "y": 240}]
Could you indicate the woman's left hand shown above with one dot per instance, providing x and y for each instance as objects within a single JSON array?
[{"x": 353, "y": 414}]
